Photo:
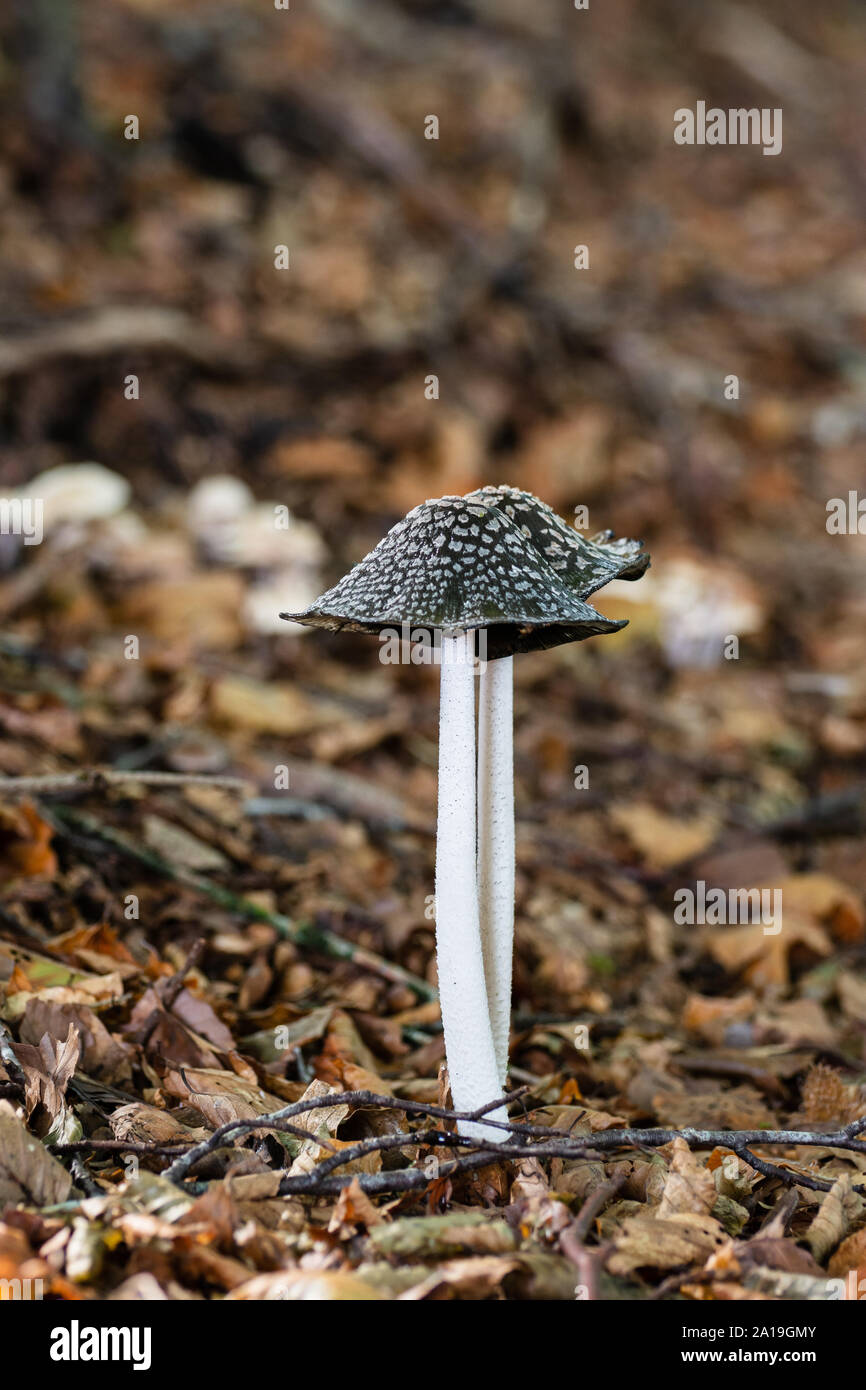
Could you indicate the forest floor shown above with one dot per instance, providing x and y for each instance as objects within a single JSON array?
[{"x": 217, "y": 832}]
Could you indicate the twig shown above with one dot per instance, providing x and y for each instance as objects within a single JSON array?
[
  {"x": 594, "y": 1204},
  {"x": 169, "y": 1150},
  {"x": 772, "y": 1170},
  {"x": 589, "y": 1262},
  {"x": 122, "y": 328},
  {"x": 403, "y": 1180},
  {"x": 118, "y": 1146},
  {"x": 91, "y": 778},
  {"x": 302, "y": 933},
  {"x": 360, "y": 1099},
  {"x": 544, "y": 1142}
]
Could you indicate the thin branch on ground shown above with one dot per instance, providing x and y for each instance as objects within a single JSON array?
[
  {"x": 119, "y": 1146},
  {"x": 92, "y": 778},
  {"x": 359, "y": 1099},
  {"x": 538, "y": 1141},
  {"x": 572, "y": 1241}
]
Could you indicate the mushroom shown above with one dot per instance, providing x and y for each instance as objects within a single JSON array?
[
  {"x": 583, "y": 566},
  {"x": 460, "y": 570}
]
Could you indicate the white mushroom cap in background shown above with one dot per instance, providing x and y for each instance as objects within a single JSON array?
[
  {"x": 231, "y": 528},
  {"x": 76, "y": 493},
  {"x": 213, "y": 509},
  {"x": 696, "y": 603}
]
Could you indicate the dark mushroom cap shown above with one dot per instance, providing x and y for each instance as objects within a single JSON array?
[
  {"x": 458, "y": 562},
  {"x": 584, "y": 565}
]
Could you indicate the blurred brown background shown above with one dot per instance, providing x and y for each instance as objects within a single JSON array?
[{"x": 154, "y": 258}]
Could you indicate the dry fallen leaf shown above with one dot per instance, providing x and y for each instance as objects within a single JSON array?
[
  {"x": 268, "y": 709},
  {"x": 299, "y": 1285},
  {"x": 663, "y": 840},
  {"x": 689, "y": 1185},
  {"x": 28, "y": 1172},
  {"x": 838, "y": 1210},
  {"x": 645, "y": 1242},
  {"x": 353, "y": 1210},
  {"x": 25, "y": 843},
  {"x": 439, "y": 1237},
  {"x": 851, "y": 1254},
  {"x": 102, "y": 1054}
]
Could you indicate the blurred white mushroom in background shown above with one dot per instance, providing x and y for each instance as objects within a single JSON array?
[
  {"x": 263, "y": 540},
  {"x": 231, "y": 528},
  {"x": 214, "y": 508},
  {"x": 73, "y": 494},
  {"x": 696, "y": 606},
  {"x": 261, "y": 610}
]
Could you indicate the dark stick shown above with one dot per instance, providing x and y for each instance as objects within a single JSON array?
[
  {"x": 595, "y": 1202},
  {"x": 588, "y": 1262},
  {"x": 552, "y": 1143},
  {"x": 93, "y": 778},
  {"x": 361, "y": 1099}
]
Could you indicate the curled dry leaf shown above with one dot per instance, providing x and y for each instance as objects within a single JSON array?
[
  {"x": 95, "y": 990},
  {"x": 828, "y": 900},
  {"x": 48, "y": 1069},
  {"x": 102, "y": 1054},
  {"x": 97, "y": 948},
  {"x": 777, "y": 1252},
  {"x": 711, "y": 1018},
  {"x": 689, "y": 1186},
  {"x": 663, "y": 840},
  {"x": 480, "y": 1277},
  {"x": 146, "y": 1124},
  {"x": 353, "y": 1210},
  {"x": 763, "y": 958},
  {"x": 839, "y": 1209},
  {"x": 269, "y": 708}
]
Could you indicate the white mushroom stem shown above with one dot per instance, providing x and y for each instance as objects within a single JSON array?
[
  {"x": 496, "y": 846},
  {"x": 462, "y": 988}
]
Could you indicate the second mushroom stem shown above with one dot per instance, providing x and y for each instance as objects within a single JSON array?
[
  {"x": 496, "y": 846},
  {"x": 472, "y": 1064}
]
